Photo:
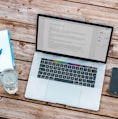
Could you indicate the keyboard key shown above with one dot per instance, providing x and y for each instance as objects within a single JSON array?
[
  {"x": 48, "y": 74},
  {"x": 76, "y": 79},
  {"x": 72, "y": 78},
  {"x": 59, "y": 72},
  {"x": 56, "y": 75},
  {"x": 60, "y": 76},
  {"x": 47, "y": 66},
  {"x": 65, "y": 66},
  {"x": 52, "y": 75},
  {"x": 42, "y": 69},
  {"x": 51, "y": 67},
  {"x": 64, "y": 77},
  {"x": 89, "y": 81},
  {"x": 39, "y": 75},
  {"x": 80, "y": 79},
  {"x": 84, "y": 80},
  {"x": 50, "y": 70},
  {"x": 47, "y": 70},
  {"x": 68, "y": 72},
  {"x": 75, "y": 75},
  {"x": 55, "y": 71},
  {"x": 63, "y": 80},
  {"x": 84, "y": 84},
  {"x": 74, "y": 71},
  {"x": 76, "y": 83},
  {"x": 51, "y": 78},
  {"x": 40, "y": 72},
  {"x": 88, "y": 85},
  {"x": 68, "y": 77},
  {"x": 44, "y": 73},
  {"x": 92, "y": 86},
  {"x": 80, "y": 83}
]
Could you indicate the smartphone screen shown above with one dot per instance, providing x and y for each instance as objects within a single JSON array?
[{"x": 113, "y": 87}]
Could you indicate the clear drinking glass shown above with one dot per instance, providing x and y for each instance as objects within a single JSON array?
[{"x": 9, "y": 79}]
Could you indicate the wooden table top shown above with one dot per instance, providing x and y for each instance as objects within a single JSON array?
[{"x": 19, "y": 16}]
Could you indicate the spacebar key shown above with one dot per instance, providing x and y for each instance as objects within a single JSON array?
[{"x": 63, "y": 80}]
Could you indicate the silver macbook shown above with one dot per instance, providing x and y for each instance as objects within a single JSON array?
[{"x": 69, "y": 62}]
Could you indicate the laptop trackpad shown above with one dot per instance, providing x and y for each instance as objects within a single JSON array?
[{"x": 63, "y": 93}]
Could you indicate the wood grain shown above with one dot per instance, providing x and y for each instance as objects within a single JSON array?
[
  {"x": 26, "y": 12},
  {"x": 25, "y": 32},
  {"x": 103, "y": 3},
  {"x": 19, "y": 31},
  {"x": 23, "y": 67},
  {"x": 20, "y": 18},
  {"x": 106, "y": 102},
  {"x": 17, "y": 109},
  {"x": 113, "y": 50},
  {"x": 24, "y": 51},
  {"x": 111, "y": 62},
  {"x": 22, "y": 88}
]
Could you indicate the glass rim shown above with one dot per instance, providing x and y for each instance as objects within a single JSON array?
[
  {"x": 9, "y": 69},
  {"x": 7, "y": 72}
]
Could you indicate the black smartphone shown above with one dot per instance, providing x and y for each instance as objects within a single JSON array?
[{"x": 113, "y": 87}]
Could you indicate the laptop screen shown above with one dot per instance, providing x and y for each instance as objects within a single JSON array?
[{"x": 73, "y": 38}]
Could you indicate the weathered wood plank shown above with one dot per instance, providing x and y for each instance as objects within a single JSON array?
[
  {"x": 19, "y": 31},
  {"x": 20, "y": 18},
  {"x": 113, "y": 50},
  {"x": 20, "y": 94},
  {"x": 26, "y": 12},
  {"x": 24, "y": 32},
  {"x": 25, "y": 51},
  {"x": 22, "y": 86},
  {"x": 17, "y": 109},
  {"x": 111, "y": 62},
  {"x": 23, "y": 67},
  {"x": 104, "y": 3},
  {"x": 105, "y": 90},
  {"x": 106, "y": 102}
]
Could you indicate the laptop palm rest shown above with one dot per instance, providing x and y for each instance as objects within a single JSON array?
[{"x": 63, "y": 93}]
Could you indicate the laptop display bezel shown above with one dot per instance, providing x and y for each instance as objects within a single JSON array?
[{"x": 61, "y": 18}]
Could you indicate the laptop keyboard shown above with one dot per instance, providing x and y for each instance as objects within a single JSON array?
[{"x": 67, "y": 72}]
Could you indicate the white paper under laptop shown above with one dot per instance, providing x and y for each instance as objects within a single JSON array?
[{"x": 69, "y": 63}]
